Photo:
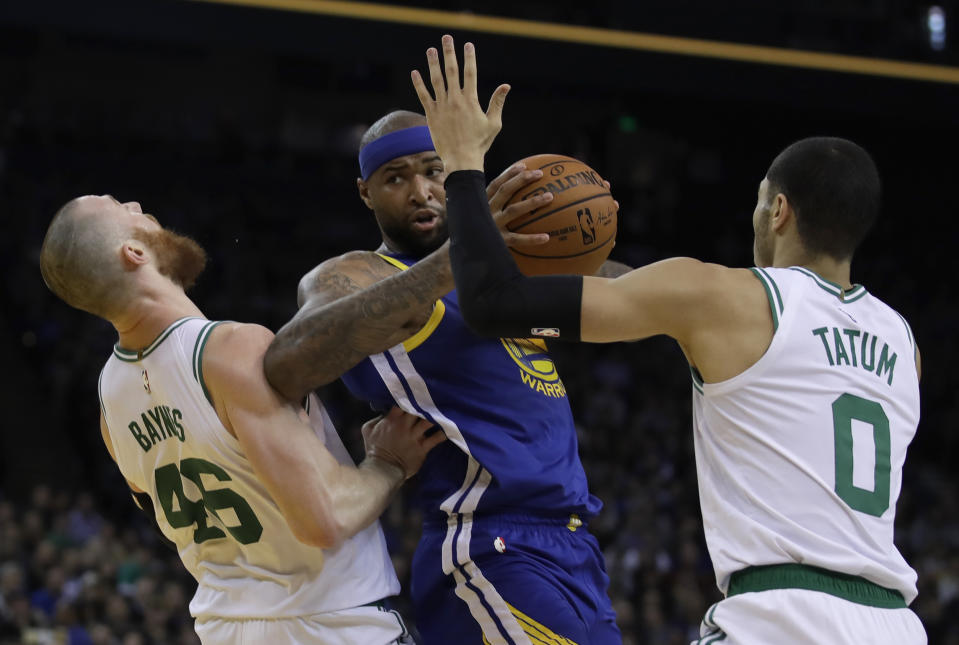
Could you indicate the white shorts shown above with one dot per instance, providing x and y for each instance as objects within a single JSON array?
[
  {"x": 358, "y": 626},
  {"x": 802, "y": 617}
]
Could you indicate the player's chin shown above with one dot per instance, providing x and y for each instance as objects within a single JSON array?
[{"x": 433, "y": 238}]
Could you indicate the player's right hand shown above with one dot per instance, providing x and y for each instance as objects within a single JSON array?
[
  {"x": 501, "y": 189},
  {"x": 400, "y": 440}
]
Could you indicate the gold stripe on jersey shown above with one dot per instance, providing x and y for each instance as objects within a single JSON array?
[
  {"x": 417, "y": 339},
  {"x": 399, "y": 265},
  {"x": 439, "y": 310}
]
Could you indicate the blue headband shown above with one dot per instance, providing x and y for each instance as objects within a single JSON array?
[{"x": 390, "y": 146}]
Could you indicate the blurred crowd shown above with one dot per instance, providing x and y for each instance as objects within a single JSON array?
[
  {"x": 71, "y": 576},
  {"x": 79, "y": 565}
]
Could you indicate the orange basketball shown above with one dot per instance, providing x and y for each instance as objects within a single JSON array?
[{"x": 581, "y": 219}]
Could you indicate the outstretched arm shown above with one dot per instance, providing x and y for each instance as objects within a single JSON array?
[
  {"x": 322, "y": 500},
  {"x": 683, "y": 298}
]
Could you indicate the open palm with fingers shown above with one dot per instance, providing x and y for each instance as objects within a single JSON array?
[{"x": 462, "y": 132}]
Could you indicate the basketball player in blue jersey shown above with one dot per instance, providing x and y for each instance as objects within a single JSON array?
[
  {"x": 505, "y": 554},
  {"x": 802, "y": 415}
]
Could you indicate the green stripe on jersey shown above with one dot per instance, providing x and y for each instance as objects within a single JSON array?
[
  {"x": 132, "y": 356},
  {"x": 708, "y": 621},
  {"x": 103, "y": 410},
  {"x": 779, "y": 298},
  {"x": 773, "y": 306},
  {"x": 198, "y": 348},
  {"x": 697, "y": 379},
  {"x": 709, "y": 616},
  {"x": 855, "y": 293},
  {"x": 908, "y": 330}
]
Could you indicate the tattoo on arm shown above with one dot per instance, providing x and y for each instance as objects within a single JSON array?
[
  {"x": 335, "y": 284},
  {"x": 326, "y": 338}
]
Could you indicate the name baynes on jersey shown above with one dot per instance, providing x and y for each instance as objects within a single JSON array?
[{"x": 161, "y": 422}]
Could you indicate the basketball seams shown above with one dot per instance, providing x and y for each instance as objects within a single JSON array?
[
  {"x": 564, "y": 160},
  {"x": 561, "y": 160},
  {"x": 556, "y": 210},
  {"x": 563, "y": 257}
]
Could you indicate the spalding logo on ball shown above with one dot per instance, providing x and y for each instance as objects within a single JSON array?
[{"x": 581, "y": 219}]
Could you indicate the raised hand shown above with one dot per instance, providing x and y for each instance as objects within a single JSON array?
[
  {"x": 400, "y": 440},
  {"x": 462, "y": 132}
]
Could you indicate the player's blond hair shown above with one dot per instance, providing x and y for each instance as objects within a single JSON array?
[{"x": 75, "y": 260}]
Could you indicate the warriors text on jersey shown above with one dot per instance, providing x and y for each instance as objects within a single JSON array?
[
  {"x": 230, "y": 534},
  {"x": 800, "y": 457},
  {"x": 512, "y": 442},
  {"x": 504, "y": 555}
]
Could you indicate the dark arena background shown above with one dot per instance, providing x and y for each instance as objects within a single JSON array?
[{"x": 239, "y": 125}]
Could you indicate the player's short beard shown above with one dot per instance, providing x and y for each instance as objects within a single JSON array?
[
  {"x": 417, "y": 244},
  {"x": 178, "y": 257}
]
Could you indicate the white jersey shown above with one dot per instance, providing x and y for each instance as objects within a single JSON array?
[
  {"x": 800, "y": 457},
  {"x": 230, "y": 534}
]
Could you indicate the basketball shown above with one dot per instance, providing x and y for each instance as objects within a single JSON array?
[{"x": 581, "y": 219}]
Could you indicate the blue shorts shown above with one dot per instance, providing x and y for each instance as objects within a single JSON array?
[{"x": 511, "y": 580}]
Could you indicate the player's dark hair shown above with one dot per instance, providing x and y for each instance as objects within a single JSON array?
[{"x": 833, "y": 187}]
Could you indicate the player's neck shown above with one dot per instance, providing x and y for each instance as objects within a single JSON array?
[
  {"x": 150, "y": 314},
  {"x": 388, "y": 247},
  {"x": 790, "y": 252}
]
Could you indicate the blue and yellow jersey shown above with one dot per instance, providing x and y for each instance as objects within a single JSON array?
[{"x": 512, "y": 442}]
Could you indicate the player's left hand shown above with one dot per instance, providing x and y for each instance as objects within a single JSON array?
[
  {"x": 499, "y": 192},
  {"x": 400, "y": 439},
  {"x": 461, "y": 131}
]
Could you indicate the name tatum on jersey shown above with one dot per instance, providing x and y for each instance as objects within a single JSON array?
[
  {"x": 838, "y": 355},
  {"x": 161, "y": 423}
]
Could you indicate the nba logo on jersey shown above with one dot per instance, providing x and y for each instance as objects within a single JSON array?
[{"x": 546, "y": 332}]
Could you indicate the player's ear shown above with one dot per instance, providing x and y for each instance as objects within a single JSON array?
[
  {"x": 134, "y": 254},
  {"x": 364, "y": 191},
  {"x": 780, "y": 213}
]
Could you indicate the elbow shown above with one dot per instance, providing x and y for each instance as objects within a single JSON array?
[
  {"x": 280, "y": 373},
  {"x": 322, "y": 535}
]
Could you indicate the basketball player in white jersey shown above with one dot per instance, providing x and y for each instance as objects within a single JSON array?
[
  {"x": 805, "y": 385},
  {"x": 265, "y": 507}
]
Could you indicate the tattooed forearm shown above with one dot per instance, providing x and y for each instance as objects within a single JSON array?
[{"x": 326, "y": 338}]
